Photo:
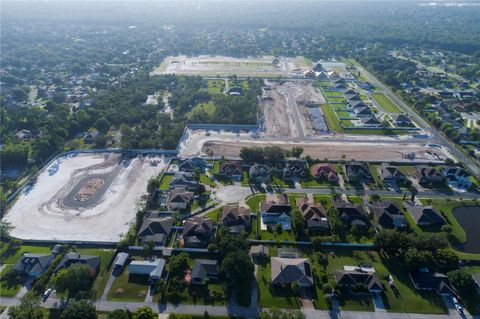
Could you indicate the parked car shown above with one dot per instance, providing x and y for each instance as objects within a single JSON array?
[{"x": 47, "y": 293}]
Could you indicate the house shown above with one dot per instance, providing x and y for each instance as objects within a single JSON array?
[
  {"x": 457, "y": 177},
  {"x": 391, "y": 174},
  {"x": 120, "y": 262},
  {"x": 318, "y": 67},
  {"x": 57, "y": 249},
  {"x": 358, "y": 172},
  {"x": 185, "y": 180},
  {"x": 352, "y": 276},
  {"x": 276, "y": 210},
  {"x": 155, "y": 230},
  {"x": 24, "y": 135},
  {"x": 235, "y": 91},
  {"x": 401, "y": 120},
  {"x": 286, "y": 271},
  {"x": 424, "y": 215},
  {"x": 203, "y": 270},
  {"x": 389, "y": 215},
  {"x": 314, "y": 214},
  {"x": 426, "y": 175},
  {"x": 352, "y": 214},
  {"x": 369, "y": 121},
  {"x": 362, "y": 111},
  {"x": 324, "y": 172},
  {"x": 180, "y": 198},
  {"x": 236, "y": 216},
  {"x": 231, "y": 170},
  {"x": 77, "y": 258},
  {"x": 152, "y": 268},
  {"x": 197, "y": 232},
  {"x": 192, "y": 164},
  {"x": 259, "y": 251},
  {"x": 294, "y": 169},
  {"x": 356, "y": 104},
  {"x": 432, "y": 281},
  {"x": 32, "y": 265},
  {"x": 338, "y": 86},
  {"x": 351, "y": 97},
  {"x": 259, "y": 174}
]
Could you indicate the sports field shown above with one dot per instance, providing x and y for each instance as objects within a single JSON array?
[{"x": 206, "y": 65}]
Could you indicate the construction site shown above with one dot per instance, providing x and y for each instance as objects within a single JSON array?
[{"x": 78, "y": 195}]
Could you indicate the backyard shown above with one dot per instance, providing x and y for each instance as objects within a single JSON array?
[{"x": 386, "y": 103}]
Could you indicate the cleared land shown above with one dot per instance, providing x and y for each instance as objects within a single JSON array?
[
  {"x": 277, "y": 118},
  {"x": 44, "y": 211},
  {"x": 386, "y": 103},
  {"x": 206, "y": 65}
]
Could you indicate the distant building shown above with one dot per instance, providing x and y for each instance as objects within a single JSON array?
[
  {"x": 432, "y": 281},
  {"x": 180, "y": 198},
  {"x": 358, "y": 172},
  {"x": 351, "y": 214},
  {"x": 120, "y": 262},
  {"x": 426, "y": 174},
  {"x": 401, "y": 120},
  {"x": 192, "y": 164},
  {"x": 233, "y": 216},
  {"x": 391, "y": 174},
  {"x": 294, "y": 169},
  {"x": 24, "y": 135},
  {"x": 457, "y": 177},
  {"x": 185, "y": 180},
  {"x": 389, "y": 215},
  {"x": 259, "y": 174},
  {"x": 259, "y": 251}
]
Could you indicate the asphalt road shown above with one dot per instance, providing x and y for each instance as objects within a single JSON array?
[{"x": 437, "y": 136}]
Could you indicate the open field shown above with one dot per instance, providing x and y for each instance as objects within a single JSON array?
[
  {"x": 386, "y": 103},
  {"x": 206, "y": 65},
  {"x": 51, "y": 210}
]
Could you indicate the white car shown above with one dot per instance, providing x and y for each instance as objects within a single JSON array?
[
  {"x": 47, "y": 293},
  {"x": 459, "y": 308}
]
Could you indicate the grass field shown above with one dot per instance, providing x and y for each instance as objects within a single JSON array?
[
  {"x": 11, "y": 257},
  {"x": 103, "y": 273},
  {"x": 133, "y": 288},
  {"x": 204, "y": 179},
  {"x": 165, "y": 183},
  {"x": 386, "y": 103},
  {"x": 215, "y": 86},
  {"x": 9, "y": 288},
  {"x": 254, "y": 201},
  {"x": 209, "y": 108}
]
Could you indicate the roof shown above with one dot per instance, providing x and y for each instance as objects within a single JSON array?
[
  {"x": 259, "y": 250},
  {"x": 259, "y": 170},
  {"x": 155, "y": 229},
  {"x": 290, "y": 270},
  {"x": 431, "y": 281},
  {"x": 191, "y": 164},
  {"x": 204, "y": 268},
  {"x": 357, "y": 276},
  {"x": 183, "y": 178},
  {"x": 77, "y": 258},
  {"x": 276, "y": 204},
  {"x": 424, "y": 214},
  {"x": 369, "y": 120},
  {"x": 32, "y": 263},
  {"x": 197, "y": 231},
  {"x": 400, "y": 118},
  {"x": 390, "y": 172},
  {"x": 230, "y": 168},
  {"x": 324, "y": 169},
  {"x": 180, "y": 195},
  {"x": 236, "y": 214},
  {"x": 153, "y": 268},
  {"x": 310, "y": 210},
  {"x": 121, "y": 259}
]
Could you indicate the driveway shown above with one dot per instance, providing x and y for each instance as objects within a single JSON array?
[
  {"x": 378, "y": 302},
  {"x": 107, "y": 286}
]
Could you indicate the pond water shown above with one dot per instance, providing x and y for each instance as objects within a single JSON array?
[{"x": 469, "y": 219}]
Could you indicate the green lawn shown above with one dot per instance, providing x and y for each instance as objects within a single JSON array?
[
  {"x": 274, "y": 235},
  {"x": 11, "y": 257},
  {"x": 333, "y": 94},
  {"x": 333, "y": 122},
  {"x": 103, "y": 272},
  {"x": 9, "y": 288},
  {"x": 335, "y": 99},
  {"x": 254, "y": 201},
  {"x": 386, "y": 103},
  {"x": 165, "y": 183},
  {"x": 215, "y": 214},
  {"x": 207, "y": 107},
  {"x": 134, "y": 288},
  {"x": 215, "y": 86},
  {"x": 204, "y": 179}
]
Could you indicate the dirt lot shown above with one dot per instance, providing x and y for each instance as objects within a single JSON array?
[
  {"x": 335, "y": 150},
  {"x": 42, "y": 213},
  {"x": 206, "y": 65},
  {"x": 276, "y": 114}
]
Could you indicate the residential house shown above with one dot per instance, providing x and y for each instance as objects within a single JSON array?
[
  {"x": 358, "y": 172},
  {"x": 389, "y": 215},
  {"x": 352, "y": 97},
  {"x": 180, "y": 198},
  {"x": 77, "y": 258},
  {"x": 197, "y": 232},
  {"x": 352, "y": 276},
  {"x": 294, "y": 169},
  {"x": 324, "y": 172},
  {"x": 152, "y": 268},
  {"x": 155, "y": 230},
  {"x": 192, "y": 164},
  {"x": 259, "y": 174},
  {"x": 236, "y": 217},
  {"x": 432, "y": 281},
  {"x": 286, "y": 271},
  {"x": 24, "y": 135},
  {"x": 120, "y": 262},
  {"x": 203, "y": 270},
  {"x": 356, "y": 104},
  {"x": 231, "y": 170},
  {"x": 276, "y": 210},
  {"x": 391, "y": 174},
  {"x": 259, "y": 251},
  {"x": 32, "y": 265},
  {"x": 349, "y": 213},
  {"x": 424, "y": 215},
  {"x": 314, "y": 214},
  {"x": 457, "y": 177},
  {"x": 184, "y": 180},
  {"x": 427, "y": 174},
  {"x": 362, "y": 112},
  {"x": 401, "y": 120},
  {"x": 370, "y": 121},
  {"x": 235, "y": 91}
]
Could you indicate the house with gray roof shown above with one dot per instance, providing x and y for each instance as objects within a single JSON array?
[
  {"x": 427, "y": 174},
  {"x": 73, "y": 258},
  {"x": 192, "y": 164},
  {"x": 120, "y": 262},
  {"x": 432, "y": 281},
  {"x": 351, "y": 276},
  {"x": 32, "y": 265},
  {"x": 424, "y": 215},
  {"x": 233, "y": 216},
  {"x": 389, "y": 215},
  {"x": 286, "y": 271},
  {"x": 259, "y": 174},
  {"x": 185, "y": 180},
  {"x": 391, "y": 174},
  {"x": 358, "y": 172},
  {"x": 152, "y": 268},
  {"x": 401, "y": 120},
  {"x": 155, "y": 230},
  {"x": 259, "y": 251},
  {"x": 313, "y": 213},
  {"x": 179, "y": 198},
  {"x": 203, "y": 270}
]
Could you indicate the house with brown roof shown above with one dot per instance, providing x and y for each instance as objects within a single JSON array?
[
  {"x": 314, "y": 214},
  {"x": 236, "y": 217},
  {"x": 155, "y": 230},
  {"x": 352, "y": 276},
  {"x": 276, "y": 210},
  {"x": 427, "y": 174},
  {"x": 324, "y": 172},
  {"x": 350, "y": 213},
  {"x": 391, "y": 174},
  {"x": 231, "y": 170},
  {"x": 197, "y": 232},
  {"x": 180, "y": 198}
]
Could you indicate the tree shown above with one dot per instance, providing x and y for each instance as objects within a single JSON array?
[
  {"x": 145, "y": 312},
  {"x": 229, "y": 243},
  {"x": 118, "y": 314},
  {"x": 102, "y": 125},
  {"x": 178, "y": 265},
  {"x": 415, "y": 259},
  {"x": 149, "y": 248},
  {"x": 81, "y": 309},
  {"x": 238, "y": 267},
  {"x": 5, "y": 228},
  {"x": 461, "y": 279},
  {"x": 298, "y": 223},
  {"x": 447, "y": 259},
  {"x": 77, "y": 277},
  {"x": 29, "y": 308},
  {"x": 297, "y": 151}
]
